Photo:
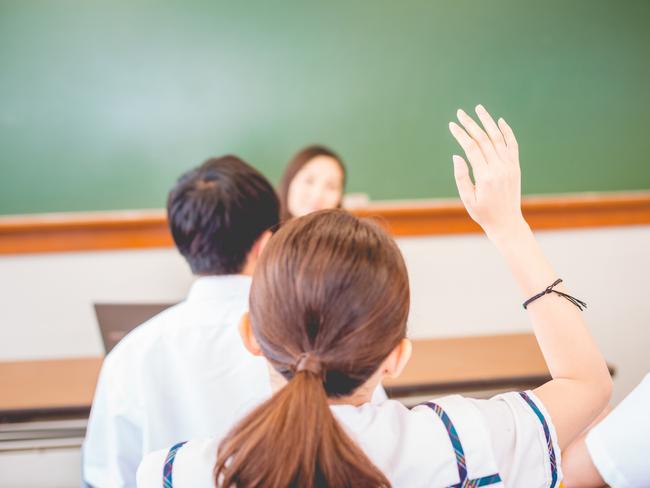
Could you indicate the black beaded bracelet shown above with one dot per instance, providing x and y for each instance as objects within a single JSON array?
[{"x": 549, "y": 289}]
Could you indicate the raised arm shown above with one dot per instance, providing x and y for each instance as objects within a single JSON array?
[{"x": 581, "y": 385}]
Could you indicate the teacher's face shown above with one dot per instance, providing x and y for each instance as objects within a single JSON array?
[{"x": 317, "y": 186}]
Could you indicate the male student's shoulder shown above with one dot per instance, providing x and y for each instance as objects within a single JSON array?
[{"x": 146, "y": 336}]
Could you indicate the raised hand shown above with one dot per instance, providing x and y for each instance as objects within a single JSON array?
[
  {"x": 493, "y": 200},
  {"x": 581, "y": 385}
]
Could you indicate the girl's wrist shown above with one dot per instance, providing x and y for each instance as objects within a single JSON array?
[
  {"x": 507, "y": 236},
  {"x": 518, "y": 246}
]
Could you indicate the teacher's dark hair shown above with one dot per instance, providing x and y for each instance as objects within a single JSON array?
[{"x": 216, "y": 212}]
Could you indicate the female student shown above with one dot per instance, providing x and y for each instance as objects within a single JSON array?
[
  {"x": 313, "y": 180},
  {"x": 328, "y": 309}
]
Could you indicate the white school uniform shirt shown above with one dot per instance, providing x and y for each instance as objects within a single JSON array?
[
  {"x": 508, "y": 440},
  {"x": 183, "y": 374},
  {"x": 620, "y": 445}
]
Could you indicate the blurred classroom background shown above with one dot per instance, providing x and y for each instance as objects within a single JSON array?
[{"x": 104, "y": 104}]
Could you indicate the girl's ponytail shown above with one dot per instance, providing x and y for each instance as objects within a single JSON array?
[
  {"x": 293, "y": 440},
  {"x": 328, "y": 303}
]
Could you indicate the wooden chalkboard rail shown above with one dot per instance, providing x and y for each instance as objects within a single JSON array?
[{"x": 148, "y": 228}]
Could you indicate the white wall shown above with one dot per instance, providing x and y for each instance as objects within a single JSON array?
[
  {"x": 458, "y": 283},
  {"x": 41, "y": 468},
  {"x": 46, "y": 300},
  {"x": 460, "y": 286}
]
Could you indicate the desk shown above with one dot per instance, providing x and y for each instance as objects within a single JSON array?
[
  {"x": 492, "y": 362},
  {"x": 53, "y": 387},
  {"x": 65, "y": 387}
]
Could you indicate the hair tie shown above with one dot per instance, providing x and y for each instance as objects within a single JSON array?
[
  {"x": 549, "y": 289},
  {"x": 309, "y": 362}
]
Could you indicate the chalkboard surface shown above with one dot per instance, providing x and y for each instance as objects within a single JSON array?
[{"x": 104, "y": 103}]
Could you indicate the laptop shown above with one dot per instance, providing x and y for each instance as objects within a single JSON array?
[{"x": 118, "y": 319}]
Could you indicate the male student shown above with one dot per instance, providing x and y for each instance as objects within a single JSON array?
[{"x": 185, "y": 373}]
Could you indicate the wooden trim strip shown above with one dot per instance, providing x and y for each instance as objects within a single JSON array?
[
  {"x": 542, "y": 213},
  {"x": 148, "y": 228},
  {"x": 84, "y": 232}
]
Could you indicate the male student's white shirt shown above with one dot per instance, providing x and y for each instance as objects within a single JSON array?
[
  {"x": 620, "y": 445},
  {"x": 183, "y": 374},
  {"x": 508, "y": 440}
]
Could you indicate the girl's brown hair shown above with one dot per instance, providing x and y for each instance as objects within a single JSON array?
[
  {"x": 300, "y": 159},
  {"x": 328, "y": 304}
]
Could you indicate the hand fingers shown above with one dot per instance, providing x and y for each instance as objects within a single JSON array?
[
  {"x": 479, "y": 135},
  {"x": 471, "y": 148},
  {"x": 511, "y": 142},
  {"x": 463, "y": 182},
  {"x": 493, "y": 131}
]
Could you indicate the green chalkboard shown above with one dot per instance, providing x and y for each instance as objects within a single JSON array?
[{"x": 104, "y": 103}]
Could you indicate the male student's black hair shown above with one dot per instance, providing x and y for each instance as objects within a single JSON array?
[{"x": 217, "y": 211}]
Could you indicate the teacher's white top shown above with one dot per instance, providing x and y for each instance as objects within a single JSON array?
[{"x": 508, "y": 440}]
